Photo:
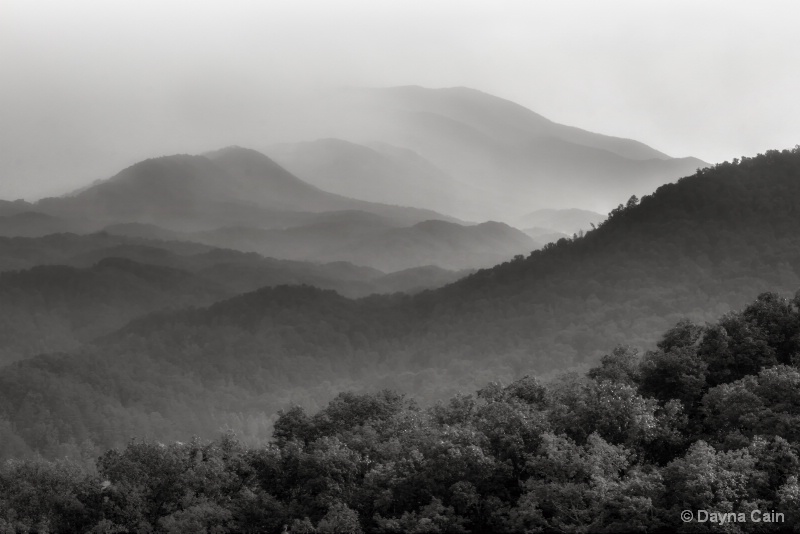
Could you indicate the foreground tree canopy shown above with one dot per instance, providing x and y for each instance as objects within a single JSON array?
[{"x": 710, "y": 420}]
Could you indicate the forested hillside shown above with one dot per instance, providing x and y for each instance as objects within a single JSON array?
[
  {"x": 696, "y": 249},
  {"x": 53, "y": 308},
  {"x": 707, "y": 420},
  {"x": 78, "y": 288}
]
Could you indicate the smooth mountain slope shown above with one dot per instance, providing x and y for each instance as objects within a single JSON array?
[
  {"x": 374, "y": 242},
  {"x": 699, "y": 248},
  {"x": 503, "y": 119},
  {"x": 233, "y": 186},
  {"x": 381, "y": 173},
  {"x": 260, "y": 179},
  {"x": 285, "y": 191},
  {"x": 169, "y": 191},
  {"x": 510, "y": 159}
]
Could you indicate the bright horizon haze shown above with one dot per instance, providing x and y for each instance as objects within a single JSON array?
[{"x": 90, "y": 87}]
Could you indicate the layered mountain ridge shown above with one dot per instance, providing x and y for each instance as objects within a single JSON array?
[
  {"x": 698, "y": 248},
  {"x": 231, "y": 186},
  {"x": 497, "y": 157},
  {"x": 240, "y": 198}
]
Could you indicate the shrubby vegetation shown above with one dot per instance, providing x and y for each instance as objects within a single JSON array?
[{"x": 708, "y": 420}]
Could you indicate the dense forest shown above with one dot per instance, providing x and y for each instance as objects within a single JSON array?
[{"x": 707, "y": 420}]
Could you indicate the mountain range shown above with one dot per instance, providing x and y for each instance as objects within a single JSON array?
[
  {"x": 192, "y": 293},
  {"x": 698, "y": 248},
  {"x": 232, "y": 186},
  {"x": 368, "y": 240},
  {"x": 239, "y": 198},
  {"x": 61, "y": 291},
  {"x": 493, "y": 156},
  {"x": 423, "y": 158}
]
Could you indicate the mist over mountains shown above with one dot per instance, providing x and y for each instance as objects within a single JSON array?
[
  {"x": 456, "y": 151},
  {"x": 432, "y": 243},
  {"x": 357, "y": 217},
  {"x": 229, "y": 187},
  {"x": 64, "y": 290},
  {"x": 456, "y": 156},
  {"x": 378, "y": 173},
  {"x": 453, "y": 242},
  {"x": 506, "y": 158},
  {"x": 697, "y": 248},
  {"x": 399, "y": 267},
  {"x": 239, "y": 198}
]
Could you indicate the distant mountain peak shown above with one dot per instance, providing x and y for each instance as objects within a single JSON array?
[
  {"x": 499, "y": 152},
  {"x": 235, "y": 151}
]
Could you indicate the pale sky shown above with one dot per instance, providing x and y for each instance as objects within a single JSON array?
[{"x": 89, "y": 87}]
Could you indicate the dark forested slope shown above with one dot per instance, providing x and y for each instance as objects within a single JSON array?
[
  {"x": 82, "y": 287},
  {"x": 698, "y": 248},
  {"x": 53, "y": 308}
]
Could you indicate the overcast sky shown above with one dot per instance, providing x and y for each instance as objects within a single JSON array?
[{"x": 89, "y": 87}]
